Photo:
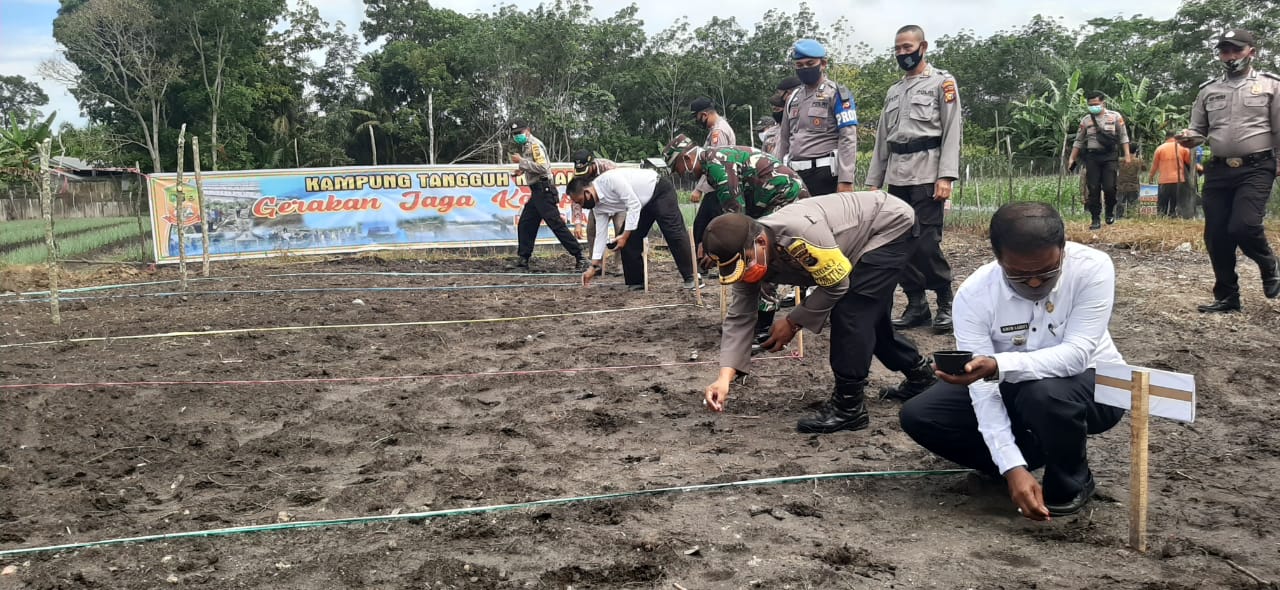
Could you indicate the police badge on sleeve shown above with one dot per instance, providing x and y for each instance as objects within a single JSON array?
[{"x": 827, "y": 266}]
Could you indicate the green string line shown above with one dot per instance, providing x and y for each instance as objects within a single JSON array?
[
  {"x": 346, "y": 326},
  {"x": 308, "y": 524}
]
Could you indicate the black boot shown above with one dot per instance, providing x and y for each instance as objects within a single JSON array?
[
  {"x": 942, "y": 321},
  {"x": 764, "y": 323},
  {"x": 846, "y": 410},
  {"x": 1096, "y": 223},
  {"x": 1271, "y": 278},
  {"x": 916, "y": 313},
  {"x": 919, "y": 378},
  {"x": 582, "y": 265},
  {"x": 1224, "y": 305},
  {"x": 520, "y": 263}
]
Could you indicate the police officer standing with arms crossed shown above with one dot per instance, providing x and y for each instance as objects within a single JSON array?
[
  {"x": 1101, "y": 133},
  {"x": 917, "y": 155},
  {"x": 1239, "y": 113},
  {"x": 819, "y": 134}
]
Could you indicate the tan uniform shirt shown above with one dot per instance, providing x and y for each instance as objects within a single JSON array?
[
  {"x": 818, "y": 122},
  {"x": 817, "y": 241},
  {"x": 769, "y": 140},
  {"x": 1112, "y": 123},
  {"x": 534, "y": 161},
  {"x": 720, "y": 135},
  {"x": 918, "y": 107},
  {"x": 1240, "y": 116}
]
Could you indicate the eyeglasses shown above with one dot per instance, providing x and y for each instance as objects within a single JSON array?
[{"x": 1043, "y": 277}]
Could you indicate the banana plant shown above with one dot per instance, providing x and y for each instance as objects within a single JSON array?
[{"x": 19, "y": 144}]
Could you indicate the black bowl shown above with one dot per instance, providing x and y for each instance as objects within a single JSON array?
[{"x": 952, "y": 362}]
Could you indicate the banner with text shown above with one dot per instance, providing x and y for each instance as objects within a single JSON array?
[{"x": 253, "y": 213}]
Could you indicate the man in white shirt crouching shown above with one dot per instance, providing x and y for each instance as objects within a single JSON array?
[{"x": 1035, "y": 320}]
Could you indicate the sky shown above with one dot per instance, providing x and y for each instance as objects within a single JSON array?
[{"x": 26, "y": 26}]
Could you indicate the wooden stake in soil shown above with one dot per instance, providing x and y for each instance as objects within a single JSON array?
[
  {"x": 1140, "y": 392},
  {"x": 181, "y": 201},
  {"x": 800, "y": 336},
  {"x": 724, "y": 302},
  {"x": 645, "y": 254},
  {"x": 204, "y": 217},
  {"x": 143, "y": 187},
  {"x": 46, "y": 203},
  {"x": 697, "y": 276}
]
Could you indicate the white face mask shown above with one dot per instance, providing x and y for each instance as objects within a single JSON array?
[{"x": 762, "y": 135}]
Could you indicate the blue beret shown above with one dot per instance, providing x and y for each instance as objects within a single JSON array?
[{"x": 808, "y": 48}]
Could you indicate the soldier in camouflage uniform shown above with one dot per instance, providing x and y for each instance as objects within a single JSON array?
[{"x": 744, "y": 180}]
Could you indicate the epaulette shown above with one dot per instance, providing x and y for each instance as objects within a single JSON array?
[
  {"x": 1270, "y": 75},
  {"x": 843, "y": 91},
  {"x": 1208, "y": 82}
]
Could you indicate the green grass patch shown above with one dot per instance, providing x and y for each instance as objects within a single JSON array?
[
  {"x": 13, "y": 233},
  {"x": 76, "y": 245}
]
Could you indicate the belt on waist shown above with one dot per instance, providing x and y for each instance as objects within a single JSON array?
[
  {"x": 916, "y": 145},
  {"x": 801, "y": 164},
  {"x": 1247, "y": 160}
]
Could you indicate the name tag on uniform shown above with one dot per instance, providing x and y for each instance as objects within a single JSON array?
[{"x": 1014, "y": 328}]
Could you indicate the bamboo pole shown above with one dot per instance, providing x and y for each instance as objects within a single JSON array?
[
  {"x": 724, "y": 302},
  {"x": 144, "y": 188},
  {"x": 1138, "y": 441},
  {"x": 645, "y": 254},
  {"x": 697, "y": 276},
  {"x": 181, "y": 201},
  {"x": 46, "y": 203},
  {"x": 204, "y": 216},
  {"x": 800, "y": 336}
]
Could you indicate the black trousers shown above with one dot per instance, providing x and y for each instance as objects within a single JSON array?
[
  {"x": 544, "y": 206},
  {"x": 1100, "y": 177},
  {"x": 861, "y": 326},
  {"x": 1235, "y": 203},
  {"x": 819, "y": 180},
  {"x": 663, "y": 208},
  {"x": 928, "y": 268},
  {"x": 1167, "y": 199},
  {"x": 709, "y": 208},
  {"x": 1051, "y": 420}
]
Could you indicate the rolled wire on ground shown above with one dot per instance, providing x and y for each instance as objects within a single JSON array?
[
  {"x": 483, "y": 509},
  {"x": 294, "y": 290},
  {"x": 346, "y": 326},
  {"x": 294, "y": 274}
]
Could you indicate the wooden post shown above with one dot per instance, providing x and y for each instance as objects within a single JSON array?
[
  {"x": 724, "y": 302},
  {"x": 1140, "y": 390},
  {"x": 204, "y": 215},
  {"x": 644, "y": 252},
  {"x": 180, "y": 206},
  {"x": 697, "y": 276},
  {"x": 144, "y": 187},
  {"x": 800, "y": 336},
  {"x": 46, "y": 203}
]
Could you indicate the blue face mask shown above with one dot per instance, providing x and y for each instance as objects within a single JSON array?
[
  {"x": 1095, "y": 109},
  {"x": 520, "y": 139}
]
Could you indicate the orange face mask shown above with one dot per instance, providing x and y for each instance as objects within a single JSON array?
[{"x": 754, "y": 273}]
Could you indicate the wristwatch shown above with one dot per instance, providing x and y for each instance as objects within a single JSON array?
[{"x": 994, "y": 377}]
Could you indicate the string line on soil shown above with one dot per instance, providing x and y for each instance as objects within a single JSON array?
[
  {"x": 296, "y": 290},
  {"x": 347, "y": 326},
  {"x": 294, "y": 274},
  {"x": 378, "y": 379},
  {"x": 307, "y": 524}
]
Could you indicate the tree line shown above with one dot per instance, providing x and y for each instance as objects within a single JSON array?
[{"x": 269, "y": 86}]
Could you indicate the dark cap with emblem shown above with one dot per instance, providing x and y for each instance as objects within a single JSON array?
[
  {"x": 701, "y": 104},
  {"x": 1238, "y": 37},
  {"x": 516, "y": 125},
  {"x": 788, "y": 83},
  {"x": 726, "y": 238},
  {"x": 582, "y": 160}
]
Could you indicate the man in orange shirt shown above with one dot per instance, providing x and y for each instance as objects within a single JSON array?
[{"x": 1171, "y": 163}]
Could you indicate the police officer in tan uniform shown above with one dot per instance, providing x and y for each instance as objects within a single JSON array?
[
  {"x": 543, "y": 205},
  {"x": 852, "y": 247},
  {"x": 1239, "y": 114},
  {"x": 819, "y": 135},
  {"x": 1101, "y": 137},
  {"x": 917, "y": 156}
]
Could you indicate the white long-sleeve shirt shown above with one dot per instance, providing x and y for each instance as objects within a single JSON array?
[
  {"x": 619, "y": 190},
  {"x": 1063, "y": 335}
]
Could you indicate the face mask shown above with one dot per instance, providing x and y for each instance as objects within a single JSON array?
[
  {"x": 809, "y": 76},
  {"x": 1030, "y": 293},
  {"x": 589, "y": 202},
  {"x": 520, "y": 139},
  {"x": 762, "y": 135},
  {"x": 702, "y": 120},
  {"x": 1237, "y": 65},
  {"x": 1095, "y": 109},
  {"x": 909, "y": 61},
  {"x": 755, "y": 273},
  {"x": 777, "y": 116}
]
